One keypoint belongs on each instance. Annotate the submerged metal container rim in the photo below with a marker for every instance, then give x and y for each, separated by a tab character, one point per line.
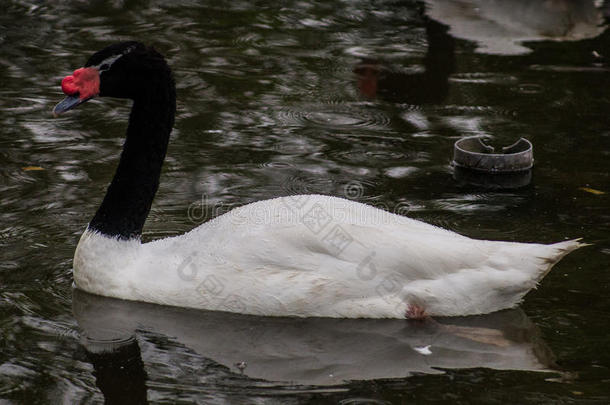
466	155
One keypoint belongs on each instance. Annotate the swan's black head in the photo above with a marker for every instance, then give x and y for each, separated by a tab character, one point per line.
125	70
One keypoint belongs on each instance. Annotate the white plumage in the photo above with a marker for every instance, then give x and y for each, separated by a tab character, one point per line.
313	255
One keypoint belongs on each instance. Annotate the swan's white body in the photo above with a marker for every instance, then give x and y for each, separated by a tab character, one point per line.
315	255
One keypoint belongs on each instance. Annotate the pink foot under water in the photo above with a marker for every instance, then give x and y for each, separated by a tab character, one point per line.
416	312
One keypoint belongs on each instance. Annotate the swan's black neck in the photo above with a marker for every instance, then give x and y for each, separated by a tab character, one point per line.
130	195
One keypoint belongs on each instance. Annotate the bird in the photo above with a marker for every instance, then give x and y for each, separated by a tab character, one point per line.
294	256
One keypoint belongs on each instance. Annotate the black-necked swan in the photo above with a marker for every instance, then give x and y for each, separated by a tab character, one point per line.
301	255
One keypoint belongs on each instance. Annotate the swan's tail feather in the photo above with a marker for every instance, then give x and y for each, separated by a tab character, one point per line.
511	270
558	251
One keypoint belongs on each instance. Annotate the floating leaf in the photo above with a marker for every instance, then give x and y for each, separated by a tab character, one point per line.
32	168
592	190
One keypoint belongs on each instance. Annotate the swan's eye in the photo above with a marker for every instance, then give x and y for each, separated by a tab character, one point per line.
105	66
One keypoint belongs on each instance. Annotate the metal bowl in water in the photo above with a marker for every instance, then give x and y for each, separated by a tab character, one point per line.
471	153
475	163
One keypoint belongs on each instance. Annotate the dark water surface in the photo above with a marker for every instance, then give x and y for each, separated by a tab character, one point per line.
358	99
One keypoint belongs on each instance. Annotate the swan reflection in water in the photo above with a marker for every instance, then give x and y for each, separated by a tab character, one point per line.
303	351
430	86
501	27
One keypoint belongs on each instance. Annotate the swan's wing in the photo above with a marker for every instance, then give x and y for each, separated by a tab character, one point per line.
325	234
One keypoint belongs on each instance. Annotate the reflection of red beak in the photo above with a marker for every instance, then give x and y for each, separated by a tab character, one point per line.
367	80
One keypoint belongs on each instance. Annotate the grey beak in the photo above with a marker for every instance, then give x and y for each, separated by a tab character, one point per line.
66	104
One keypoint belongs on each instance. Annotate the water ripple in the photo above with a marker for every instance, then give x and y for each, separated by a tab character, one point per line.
335	117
